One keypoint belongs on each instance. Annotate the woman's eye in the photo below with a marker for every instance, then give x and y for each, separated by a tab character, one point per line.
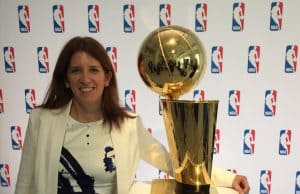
94	70
75	70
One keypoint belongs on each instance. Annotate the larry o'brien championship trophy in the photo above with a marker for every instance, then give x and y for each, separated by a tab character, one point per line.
171	61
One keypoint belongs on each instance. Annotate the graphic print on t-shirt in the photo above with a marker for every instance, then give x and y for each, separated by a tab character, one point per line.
108	159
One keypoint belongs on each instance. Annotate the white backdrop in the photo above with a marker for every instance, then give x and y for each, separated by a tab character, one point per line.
252	68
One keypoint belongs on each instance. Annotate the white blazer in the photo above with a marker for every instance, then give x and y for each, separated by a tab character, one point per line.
38	172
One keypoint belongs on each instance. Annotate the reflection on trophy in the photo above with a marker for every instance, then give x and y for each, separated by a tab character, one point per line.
171	61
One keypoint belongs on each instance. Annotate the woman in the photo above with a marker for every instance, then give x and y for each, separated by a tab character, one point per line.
80	140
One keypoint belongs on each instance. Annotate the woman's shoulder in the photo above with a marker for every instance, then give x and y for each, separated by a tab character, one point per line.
40	111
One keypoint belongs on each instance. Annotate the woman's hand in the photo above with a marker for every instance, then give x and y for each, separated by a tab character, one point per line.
240	184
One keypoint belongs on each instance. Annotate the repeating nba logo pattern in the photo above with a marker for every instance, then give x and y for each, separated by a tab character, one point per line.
276	16
234	103
130	100
16	137
112	53
201	17
58	18
9	59
253	59
129	18
4	175
265	182
30	102
164	15
285	142
232	170
43	59
199	95
217	59
217	141
297	184
1	102
163	175
270	103
24	21
93	18
291	58
238	15
249	141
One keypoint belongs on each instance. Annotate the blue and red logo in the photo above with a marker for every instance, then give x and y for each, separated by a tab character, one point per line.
43	59
232	170
130	100
238	17
249	141
217	59
291	59
297	184
276	16
265	182
160	108
129	18
164	15
9	59
4	175
163	175
217	141
201	17
199	95
30	100
270	103
93	18
285	142
1	102
16	137
58	18
253	59
24	21
112	53
234	103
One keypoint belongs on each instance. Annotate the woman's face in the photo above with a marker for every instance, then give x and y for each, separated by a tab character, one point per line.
87	79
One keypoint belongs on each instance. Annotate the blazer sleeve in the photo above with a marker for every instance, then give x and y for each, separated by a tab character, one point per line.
151	150
25	179
221	177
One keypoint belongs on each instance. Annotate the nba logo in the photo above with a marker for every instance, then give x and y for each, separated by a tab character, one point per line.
4	175
276	16
160	109
253	59
270	102
112	53
9	59
201	17
93	18
265	182
43	59
149	130
1	102
291	58
249	141
199	95
297	185
16	138
285	142
234	103
238	17
232	170
58	18
24	22
129	18
164	15
217	59
217	141
130	102
162	175
30	102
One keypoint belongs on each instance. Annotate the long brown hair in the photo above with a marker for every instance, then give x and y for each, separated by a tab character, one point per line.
58	95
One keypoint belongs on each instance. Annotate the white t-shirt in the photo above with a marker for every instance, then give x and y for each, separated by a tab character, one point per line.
87	152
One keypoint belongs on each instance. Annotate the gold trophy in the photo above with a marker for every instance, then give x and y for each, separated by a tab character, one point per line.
171	61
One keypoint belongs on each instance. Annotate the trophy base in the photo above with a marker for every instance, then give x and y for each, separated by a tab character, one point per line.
171	186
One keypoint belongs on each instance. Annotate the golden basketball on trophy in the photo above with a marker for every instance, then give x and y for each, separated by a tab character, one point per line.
171	61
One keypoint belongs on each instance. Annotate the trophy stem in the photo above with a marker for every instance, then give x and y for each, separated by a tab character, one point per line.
190	128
